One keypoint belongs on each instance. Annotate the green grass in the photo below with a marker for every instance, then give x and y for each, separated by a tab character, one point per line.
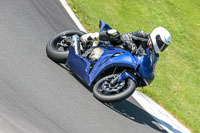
176	86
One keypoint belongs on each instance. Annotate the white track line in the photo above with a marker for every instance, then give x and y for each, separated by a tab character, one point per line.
72	15
166	120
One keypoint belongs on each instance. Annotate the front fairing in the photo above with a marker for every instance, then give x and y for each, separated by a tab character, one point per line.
145	68
142	65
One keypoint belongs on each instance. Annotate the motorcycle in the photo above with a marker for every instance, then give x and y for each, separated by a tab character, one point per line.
112	72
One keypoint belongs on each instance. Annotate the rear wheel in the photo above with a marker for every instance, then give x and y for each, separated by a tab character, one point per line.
106	92
58	47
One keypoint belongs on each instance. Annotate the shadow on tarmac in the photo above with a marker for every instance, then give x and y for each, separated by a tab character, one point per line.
135	113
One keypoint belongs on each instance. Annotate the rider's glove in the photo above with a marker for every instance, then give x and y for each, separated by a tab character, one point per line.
89	37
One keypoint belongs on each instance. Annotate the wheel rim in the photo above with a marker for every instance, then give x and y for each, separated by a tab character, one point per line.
62	43
106	88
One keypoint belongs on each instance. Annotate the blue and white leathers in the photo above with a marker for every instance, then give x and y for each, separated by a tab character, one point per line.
141	66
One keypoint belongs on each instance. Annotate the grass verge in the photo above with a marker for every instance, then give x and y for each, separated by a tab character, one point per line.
176	86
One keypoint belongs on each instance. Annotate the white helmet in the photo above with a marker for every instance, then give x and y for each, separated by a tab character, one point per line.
160	38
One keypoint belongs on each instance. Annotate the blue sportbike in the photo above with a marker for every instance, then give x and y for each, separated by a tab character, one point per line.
113	72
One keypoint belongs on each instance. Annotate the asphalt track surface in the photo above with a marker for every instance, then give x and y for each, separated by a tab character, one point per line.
40	96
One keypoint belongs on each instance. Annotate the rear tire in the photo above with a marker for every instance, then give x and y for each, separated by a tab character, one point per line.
51	49
129	88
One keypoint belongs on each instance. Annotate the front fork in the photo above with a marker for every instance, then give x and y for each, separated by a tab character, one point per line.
123	75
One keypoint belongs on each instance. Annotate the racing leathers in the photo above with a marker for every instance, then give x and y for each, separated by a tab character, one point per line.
134	41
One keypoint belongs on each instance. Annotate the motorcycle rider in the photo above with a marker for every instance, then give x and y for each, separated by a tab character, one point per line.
136	42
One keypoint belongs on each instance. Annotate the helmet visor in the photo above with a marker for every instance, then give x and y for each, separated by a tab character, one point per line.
161	45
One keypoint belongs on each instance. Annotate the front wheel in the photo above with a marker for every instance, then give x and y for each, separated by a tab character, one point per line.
58	47
106	92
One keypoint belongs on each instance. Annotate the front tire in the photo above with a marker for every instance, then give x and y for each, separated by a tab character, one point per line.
107	95
52	48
